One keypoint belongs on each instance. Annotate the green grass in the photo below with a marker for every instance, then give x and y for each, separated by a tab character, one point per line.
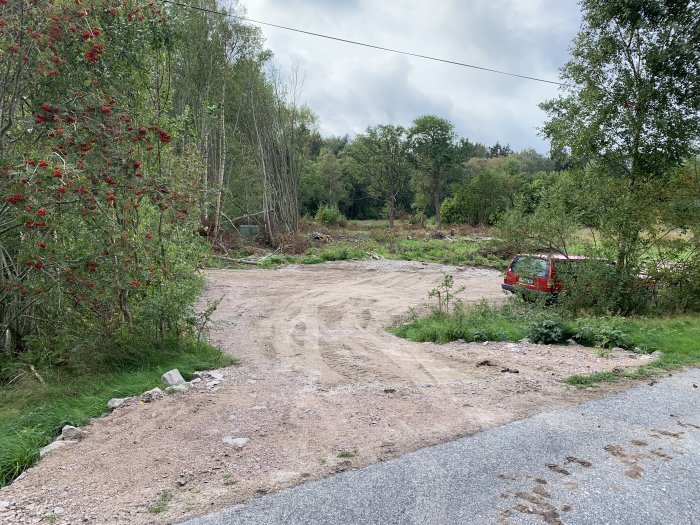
347	453
677	338
441	251
478	323
162	504
32	415
458	252
339	252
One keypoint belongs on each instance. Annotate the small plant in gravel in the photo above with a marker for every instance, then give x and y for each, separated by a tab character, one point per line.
445	293
162	504
228	480
347	453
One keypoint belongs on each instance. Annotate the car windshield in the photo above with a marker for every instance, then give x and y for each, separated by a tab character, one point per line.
529	266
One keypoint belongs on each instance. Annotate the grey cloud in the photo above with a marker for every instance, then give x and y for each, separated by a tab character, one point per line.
350	88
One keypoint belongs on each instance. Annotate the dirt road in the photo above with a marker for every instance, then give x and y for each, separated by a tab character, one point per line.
322	388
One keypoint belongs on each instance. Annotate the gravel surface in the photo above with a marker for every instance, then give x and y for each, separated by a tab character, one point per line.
631	458
321	388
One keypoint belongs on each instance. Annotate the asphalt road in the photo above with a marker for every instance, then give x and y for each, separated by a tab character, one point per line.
630	458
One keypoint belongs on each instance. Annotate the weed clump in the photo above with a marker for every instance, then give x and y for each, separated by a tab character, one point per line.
330	216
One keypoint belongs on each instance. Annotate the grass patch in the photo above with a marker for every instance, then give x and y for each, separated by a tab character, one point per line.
32	415
162	504
460	252
347	453
481	322
441	251
677	338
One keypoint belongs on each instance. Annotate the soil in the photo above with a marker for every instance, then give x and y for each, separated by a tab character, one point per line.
321	388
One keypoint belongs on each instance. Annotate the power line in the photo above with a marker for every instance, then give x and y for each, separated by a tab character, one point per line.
363	44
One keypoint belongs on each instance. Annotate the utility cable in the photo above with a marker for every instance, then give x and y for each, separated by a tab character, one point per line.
363	44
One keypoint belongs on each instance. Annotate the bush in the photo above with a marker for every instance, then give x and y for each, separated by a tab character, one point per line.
418	219
604	336
598	287
330	216
548	331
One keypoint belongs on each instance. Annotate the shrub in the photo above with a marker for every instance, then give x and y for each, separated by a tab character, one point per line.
418	219
605	335
598	287
330	216
548	331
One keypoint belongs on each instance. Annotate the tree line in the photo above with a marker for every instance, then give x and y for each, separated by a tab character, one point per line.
417	172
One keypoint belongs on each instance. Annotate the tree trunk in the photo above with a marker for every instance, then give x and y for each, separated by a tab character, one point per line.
437	199
392	207
222	165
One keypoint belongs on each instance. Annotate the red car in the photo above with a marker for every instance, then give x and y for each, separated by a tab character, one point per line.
536	272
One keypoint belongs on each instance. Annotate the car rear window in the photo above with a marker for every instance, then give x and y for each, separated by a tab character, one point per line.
529	266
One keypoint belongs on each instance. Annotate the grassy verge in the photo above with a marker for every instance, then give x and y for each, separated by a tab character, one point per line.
677	338
461	252
32	414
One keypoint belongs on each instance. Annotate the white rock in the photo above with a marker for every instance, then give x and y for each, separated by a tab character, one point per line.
55	445
196	380
259	407
235	442
199	375
181	389
4	505
212	384
115	402
216	375
152	395
72	433
173	377
58	510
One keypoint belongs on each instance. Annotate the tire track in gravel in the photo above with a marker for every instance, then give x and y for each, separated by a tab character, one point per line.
332	325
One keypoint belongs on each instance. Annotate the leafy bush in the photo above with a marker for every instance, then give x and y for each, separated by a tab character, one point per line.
603	336
548	331
597	287
418	219
330	216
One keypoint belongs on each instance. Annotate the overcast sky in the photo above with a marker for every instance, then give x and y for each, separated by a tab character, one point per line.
351	87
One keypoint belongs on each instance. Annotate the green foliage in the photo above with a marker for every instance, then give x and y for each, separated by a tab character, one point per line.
677	338
445	293
96	199
475	323
548	331
599	287
631	62
323	182
434	153
550	226
603	335
480	200
330	216
379	159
